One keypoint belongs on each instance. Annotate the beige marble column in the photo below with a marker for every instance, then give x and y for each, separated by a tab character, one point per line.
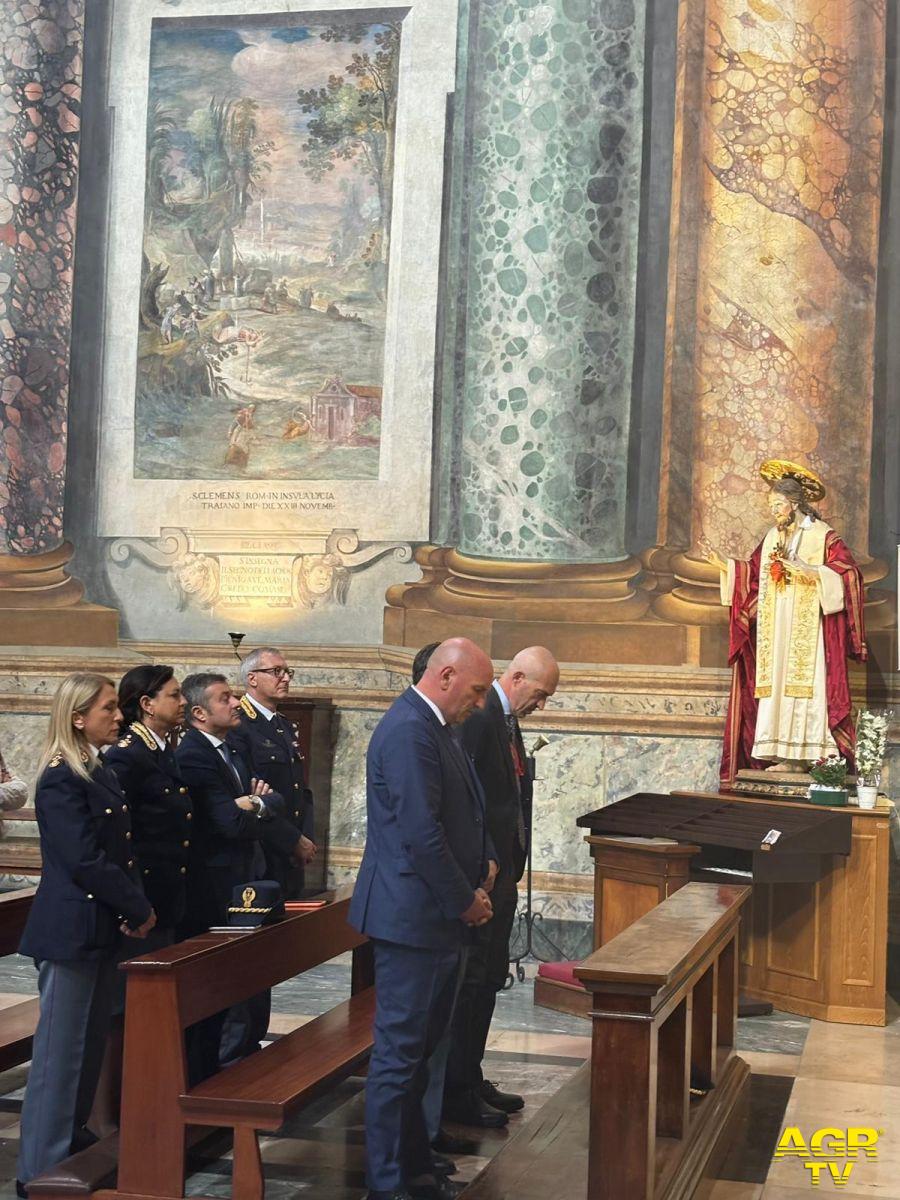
772	275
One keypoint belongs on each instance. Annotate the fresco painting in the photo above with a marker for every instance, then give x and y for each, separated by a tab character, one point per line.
266	244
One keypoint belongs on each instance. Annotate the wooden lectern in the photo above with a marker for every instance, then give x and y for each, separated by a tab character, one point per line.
814	934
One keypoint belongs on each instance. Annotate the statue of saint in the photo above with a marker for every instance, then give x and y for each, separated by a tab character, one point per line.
796	615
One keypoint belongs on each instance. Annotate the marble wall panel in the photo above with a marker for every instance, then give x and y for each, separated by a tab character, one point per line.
21	741
659	764
352	731
570	782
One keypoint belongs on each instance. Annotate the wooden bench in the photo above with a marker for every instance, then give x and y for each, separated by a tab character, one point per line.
664	1005
18	1021
172	989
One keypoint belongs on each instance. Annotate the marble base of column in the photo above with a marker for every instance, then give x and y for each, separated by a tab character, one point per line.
40	605
695	597
583	612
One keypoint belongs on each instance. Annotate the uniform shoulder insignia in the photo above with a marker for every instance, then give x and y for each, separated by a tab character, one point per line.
144	734
55	761
125	741
248	708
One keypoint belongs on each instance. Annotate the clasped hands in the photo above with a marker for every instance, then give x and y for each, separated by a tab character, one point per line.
481	910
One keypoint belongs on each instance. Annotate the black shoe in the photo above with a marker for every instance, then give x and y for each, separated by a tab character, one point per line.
441	1189
446	1143
507	1102
443	1166
472	1110
21	1190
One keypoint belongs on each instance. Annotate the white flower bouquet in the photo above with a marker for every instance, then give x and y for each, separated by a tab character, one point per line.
871	743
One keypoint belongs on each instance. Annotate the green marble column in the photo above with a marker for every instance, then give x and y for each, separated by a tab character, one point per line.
541	259
555	103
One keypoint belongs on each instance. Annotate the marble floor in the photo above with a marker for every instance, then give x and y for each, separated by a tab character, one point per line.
805	1073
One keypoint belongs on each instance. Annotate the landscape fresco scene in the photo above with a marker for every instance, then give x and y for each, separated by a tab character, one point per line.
266	243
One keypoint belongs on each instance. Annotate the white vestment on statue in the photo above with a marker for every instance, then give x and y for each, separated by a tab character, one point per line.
789	726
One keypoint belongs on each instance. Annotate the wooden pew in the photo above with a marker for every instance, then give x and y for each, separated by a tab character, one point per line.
177	986
18	1021
625	1127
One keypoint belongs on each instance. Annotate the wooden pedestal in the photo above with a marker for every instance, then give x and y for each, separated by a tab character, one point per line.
816	949
632	876
820	949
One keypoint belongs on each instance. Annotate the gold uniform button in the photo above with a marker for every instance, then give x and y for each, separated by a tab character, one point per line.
182	791
146	870
90	895
190	816
185	844
124	808
127	835
296	785
109	812
167	790
184	870
272	756
131	862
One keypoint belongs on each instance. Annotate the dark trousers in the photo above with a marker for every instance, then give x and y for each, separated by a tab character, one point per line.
487	967
413	998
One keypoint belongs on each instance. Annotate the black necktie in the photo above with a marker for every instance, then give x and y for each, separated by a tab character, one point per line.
226	754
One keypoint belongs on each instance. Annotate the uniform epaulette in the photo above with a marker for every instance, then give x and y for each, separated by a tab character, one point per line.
144	734
125	741
55	761
247	706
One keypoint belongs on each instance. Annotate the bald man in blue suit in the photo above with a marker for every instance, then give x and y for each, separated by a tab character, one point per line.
420	888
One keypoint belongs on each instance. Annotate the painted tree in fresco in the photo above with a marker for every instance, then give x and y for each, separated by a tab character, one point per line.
356	114
228	163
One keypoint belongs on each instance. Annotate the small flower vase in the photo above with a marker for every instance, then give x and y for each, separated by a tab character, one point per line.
867	795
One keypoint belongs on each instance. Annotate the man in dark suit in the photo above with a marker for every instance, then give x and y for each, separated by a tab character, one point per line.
230	812
492	737
419	888
267	742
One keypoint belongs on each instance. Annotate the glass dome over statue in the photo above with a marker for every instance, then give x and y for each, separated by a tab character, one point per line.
796	615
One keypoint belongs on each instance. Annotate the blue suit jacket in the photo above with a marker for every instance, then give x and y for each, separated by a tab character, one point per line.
89	881
426	845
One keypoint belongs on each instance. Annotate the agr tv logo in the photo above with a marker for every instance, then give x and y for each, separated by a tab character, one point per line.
833	1152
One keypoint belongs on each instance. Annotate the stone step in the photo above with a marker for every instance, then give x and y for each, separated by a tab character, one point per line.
19	814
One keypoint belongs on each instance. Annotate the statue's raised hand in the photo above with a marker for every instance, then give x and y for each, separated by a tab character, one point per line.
713	556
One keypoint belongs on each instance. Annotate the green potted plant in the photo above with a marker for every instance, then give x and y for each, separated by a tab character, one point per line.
829	777
871	742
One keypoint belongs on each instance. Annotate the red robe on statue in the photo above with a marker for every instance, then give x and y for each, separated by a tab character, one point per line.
843	636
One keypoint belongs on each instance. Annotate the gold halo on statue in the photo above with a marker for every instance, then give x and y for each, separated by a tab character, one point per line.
774	469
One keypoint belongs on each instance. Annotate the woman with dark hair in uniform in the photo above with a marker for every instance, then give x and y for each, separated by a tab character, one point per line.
144	761
89	895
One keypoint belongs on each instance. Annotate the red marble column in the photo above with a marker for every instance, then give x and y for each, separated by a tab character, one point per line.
41	67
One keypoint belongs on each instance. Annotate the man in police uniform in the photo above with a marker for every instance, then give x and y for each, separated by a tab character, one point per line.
268	743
